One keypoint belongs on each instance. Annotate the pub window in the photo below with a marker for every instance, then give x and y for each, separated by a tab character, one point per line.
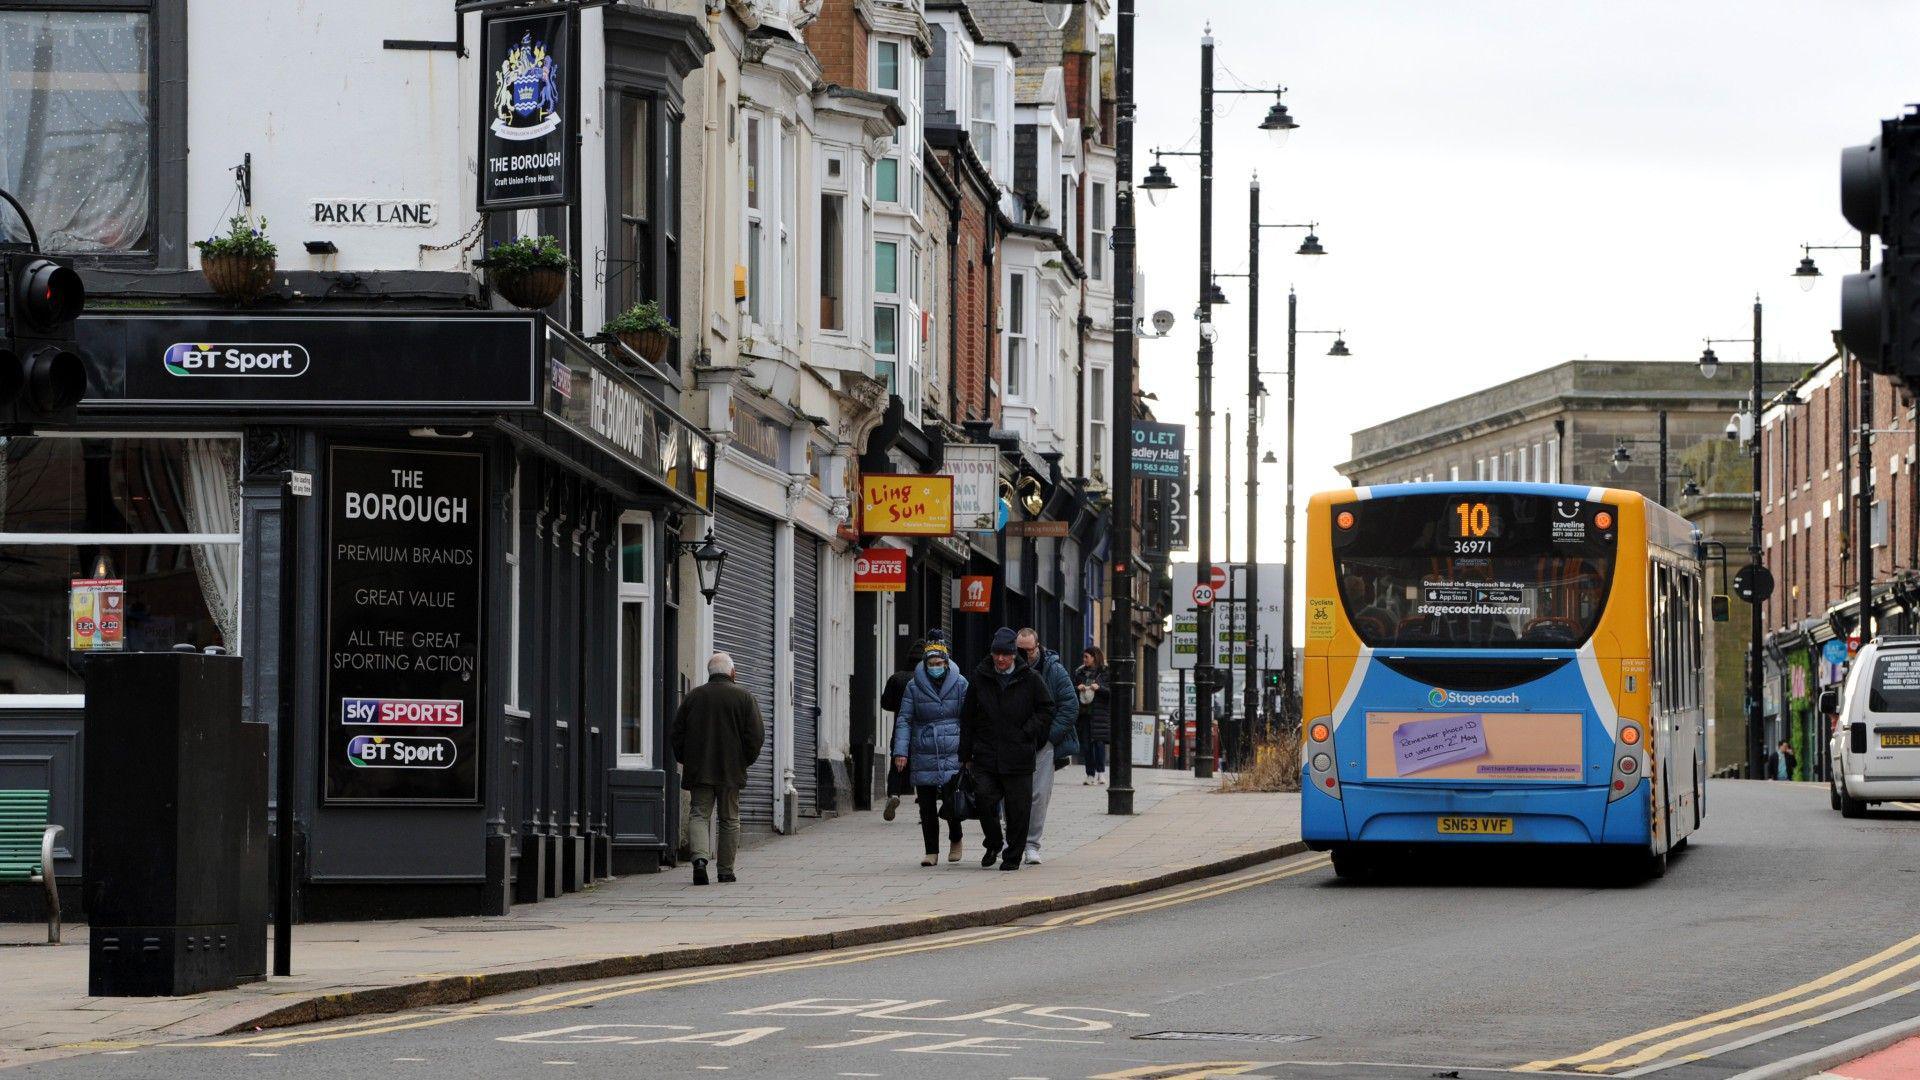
638	642
635	240
513	594
77	146
153	522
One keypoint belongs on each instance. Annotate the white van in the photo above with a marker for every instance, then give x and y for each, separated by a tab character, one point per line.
1876	744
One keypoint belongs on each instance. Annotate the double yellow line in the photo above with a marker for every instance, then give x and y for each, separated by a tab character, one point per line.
604	991
1675	1040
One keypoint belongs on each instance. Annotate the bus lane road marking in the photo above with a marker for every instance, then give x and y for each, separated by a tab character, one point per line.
1654	1044
599	992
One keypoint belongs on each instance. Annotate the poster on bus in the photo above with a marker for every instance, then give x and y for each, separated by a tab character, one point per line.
1473	746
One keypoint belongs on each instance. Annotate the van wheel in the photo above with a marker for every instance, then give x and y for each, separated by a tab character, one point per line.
1833	791
1851	807
1351	865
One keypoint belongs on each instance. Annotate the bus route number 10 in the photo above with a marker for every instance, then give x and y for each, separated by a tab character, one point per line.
1476	520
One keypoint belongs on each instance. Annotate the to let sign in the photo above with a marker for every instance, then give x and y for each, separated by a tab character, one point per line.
880	570
900	504
1158	450
404	599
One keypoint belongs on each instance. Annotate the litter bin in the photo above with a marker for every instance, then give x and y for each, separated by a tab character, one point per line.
176	826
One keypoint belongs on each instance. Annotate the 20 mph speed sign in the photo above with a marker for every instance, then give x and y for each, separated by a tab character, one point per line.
1203	594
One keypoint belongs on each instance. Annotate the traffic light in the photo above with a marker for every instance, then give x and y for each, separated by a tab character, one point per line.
1880	194
42	376
1271	678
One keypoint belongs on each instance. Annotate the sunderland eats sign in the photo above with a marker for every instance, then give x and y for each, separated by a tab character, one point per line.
527	107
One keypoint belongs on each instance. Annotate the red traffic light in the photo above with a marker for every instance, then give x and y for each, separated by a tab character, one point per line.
47	294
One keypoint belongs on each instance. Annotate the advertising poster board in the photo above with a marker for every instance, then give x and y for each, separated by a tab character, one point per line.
98	610
404	595
904	504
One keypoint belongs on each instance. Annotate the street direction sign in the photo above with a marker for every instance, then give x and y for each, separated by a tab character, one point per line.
1203	594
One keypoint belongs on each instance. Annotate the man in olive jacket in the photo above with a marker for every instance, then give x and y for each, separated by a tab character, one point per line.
716	735
1004	721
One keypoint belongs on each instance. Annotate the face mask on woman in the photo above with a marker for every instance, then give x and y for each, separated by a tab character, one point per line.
936	669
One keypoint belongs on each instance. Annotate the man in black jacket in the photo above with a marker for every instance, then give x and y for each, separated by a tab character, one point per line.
1004	721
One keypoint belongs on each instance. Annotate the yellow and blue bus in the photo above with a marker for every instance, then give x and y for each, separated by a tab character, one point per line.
1501	663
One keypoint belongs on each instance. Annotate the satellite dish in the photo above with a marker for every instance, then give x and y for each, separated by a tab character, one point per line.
1163	321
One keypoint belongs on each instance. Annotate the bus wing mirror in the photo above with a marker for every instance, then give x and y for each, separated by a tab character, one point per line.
1720	604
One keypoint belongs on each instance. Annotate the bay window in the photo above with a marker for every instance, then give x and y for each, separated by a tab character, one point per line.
1018	345
833	225
1097	226
985	103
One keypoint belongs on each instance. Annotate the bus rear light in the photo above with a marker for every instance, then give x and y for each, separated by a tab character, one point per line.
1322	762
1629	764
1344	519
1629	734
1619	785
1319	732
1603	521
1331	781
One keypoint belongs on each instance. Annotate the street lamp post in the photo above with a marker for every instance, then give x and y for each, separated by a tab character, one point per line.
1120	539
1289	689
1709	366
1277	123
1808	274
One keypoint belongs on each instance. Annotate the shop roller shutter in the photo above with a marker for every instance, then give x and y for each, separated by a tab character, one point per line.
743	628
806	672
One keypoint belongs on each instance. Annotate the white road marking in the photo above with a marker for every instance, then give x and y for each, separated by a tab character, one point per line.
856	1074
558	1063
714	1068
117	1053
263	1055
409	1059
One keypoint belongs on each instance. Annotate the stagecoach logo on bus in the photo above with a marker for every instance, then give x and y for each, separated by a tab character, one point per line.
1441	698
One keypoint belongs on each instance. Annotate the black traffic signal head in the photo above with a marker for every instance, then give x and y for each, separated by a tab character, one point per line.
1272	679
1880	194
42	376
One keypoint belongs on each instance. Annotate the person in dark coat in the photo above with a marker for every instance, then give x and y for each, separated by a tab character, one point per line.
890	701
1004	721
1096	712
926	745
716	735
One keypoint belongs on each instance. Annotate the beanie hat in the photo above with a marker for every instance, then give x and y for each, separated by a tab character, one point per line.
1003	640
937	648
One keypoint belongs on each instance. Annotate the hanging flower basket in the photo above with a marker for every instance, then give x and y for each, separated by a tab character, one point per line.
529	289
528	272
238	265
652	345
240	278
645	329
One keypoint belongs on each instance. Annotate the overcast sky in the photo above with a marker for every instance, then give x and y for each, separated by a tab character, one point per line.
1503	185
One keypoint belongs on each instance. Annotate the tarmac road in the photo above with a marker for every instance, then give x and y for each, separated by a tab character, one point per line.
1781	930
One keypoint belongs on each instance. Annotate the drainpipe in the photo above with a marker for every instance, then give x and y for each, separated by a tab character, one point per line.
953	294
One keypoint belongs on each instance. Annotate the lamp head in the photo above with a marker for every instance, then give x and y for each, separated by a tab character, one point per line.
1622	458
1339	347
1269	459
1690	491
1157	183
1807	274
1311	246
1278	123
1709	363
1215	294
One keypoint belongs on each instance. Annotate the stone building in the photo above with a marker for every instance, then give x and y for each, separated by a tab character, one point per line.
1560	425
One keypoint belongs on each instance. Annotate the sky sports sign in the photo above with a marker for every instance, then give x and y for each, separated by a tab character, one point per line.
400	712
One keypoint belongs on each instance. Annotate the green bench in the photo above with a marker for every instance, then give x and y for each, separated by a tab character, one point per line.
26	848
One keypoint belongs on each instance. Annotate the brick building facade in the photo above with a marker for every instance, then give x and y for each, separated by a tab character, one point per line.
1810	523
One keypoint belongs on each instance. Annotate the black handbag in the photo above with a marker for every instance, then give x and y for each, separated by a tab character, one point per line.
960	801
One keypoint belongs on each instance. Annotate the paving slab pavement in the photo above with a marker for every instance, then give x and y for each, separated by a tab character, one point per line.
843	881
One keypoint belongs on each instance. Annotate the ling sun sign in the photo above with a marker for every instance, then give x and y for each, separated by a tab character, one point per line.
902	504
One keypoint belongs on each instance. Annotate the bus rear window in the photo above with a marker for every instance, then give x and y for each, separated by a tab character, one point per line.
1896	683
1491	570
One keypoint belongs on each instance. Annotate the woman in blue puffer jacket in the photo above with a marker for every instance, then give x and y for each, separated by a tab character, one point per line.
926	743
